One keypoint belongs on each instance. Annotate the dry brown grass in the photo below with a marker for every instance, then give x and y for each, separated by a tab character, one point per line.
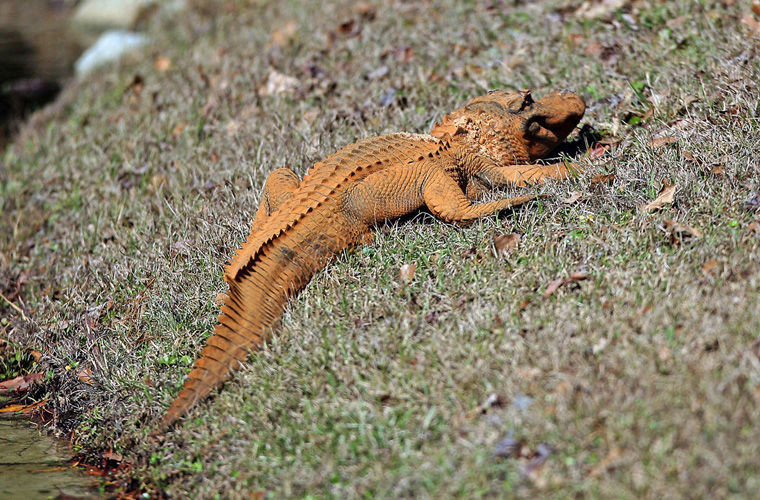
121	205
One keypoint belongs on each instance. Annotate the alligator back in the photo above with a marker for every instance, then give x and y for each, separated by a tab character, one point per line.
279	259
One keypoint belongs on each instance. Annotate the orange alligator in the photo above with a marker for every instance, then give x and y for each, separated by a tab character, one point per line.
300	225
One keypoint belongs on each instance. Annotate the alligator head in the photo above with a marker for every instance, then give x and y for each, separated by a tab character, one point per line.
510	127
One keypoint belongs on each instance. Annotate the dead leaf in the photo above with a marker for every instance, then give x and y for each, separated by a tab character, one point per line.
596	10
541	455
509	447
23	408
553	287
110	455
284	35
593	49
753	202
718	170
555	284
365	10
602	179
137	84
406	273
664	197
162	63
157	181
505	244
661	141
664	354
598	151
710	267
378	73
404	54
310	115
574	196
612	456
278	83
85	375
20	383
755	227
751	23
350	28
492	401
36	355
755	8
576	39
232	127
178	129
681	231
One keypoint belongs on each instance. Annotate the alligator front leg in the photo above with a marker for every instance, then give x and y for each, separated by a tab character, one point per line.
480	170
445	199
528	175
279	186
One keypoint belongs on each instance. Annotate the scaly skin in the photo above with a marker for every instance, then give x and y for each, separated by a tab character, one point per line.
301	225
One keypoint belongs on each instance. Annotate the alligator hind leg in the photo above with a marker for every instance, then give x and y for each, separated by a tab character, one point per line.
279	186
398	191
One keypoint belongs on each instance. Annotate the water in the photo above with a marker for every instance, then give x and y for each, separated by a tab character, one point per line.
33	465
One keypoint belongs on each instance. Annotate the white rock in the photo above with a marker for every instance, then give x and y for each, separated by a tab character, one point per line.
110	46
109	14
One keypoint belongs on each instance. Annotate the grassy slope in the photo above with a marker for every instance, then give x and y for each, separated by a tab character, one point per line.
120	206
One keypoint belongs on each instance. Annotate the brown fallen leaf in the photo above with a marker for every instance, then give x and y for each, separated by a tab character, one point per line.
554	285
753	202
162	63
509	447
20	383
278	83
365	10
85	375
232	127
350	28
661	141
505	244
598	151
664	197
17	408
110	455
612	456
710	267
681	231
178	128
540	456
157	181
284	35
492	401
754	227
406	273
751	23
596	10
574	196
718	170
602	179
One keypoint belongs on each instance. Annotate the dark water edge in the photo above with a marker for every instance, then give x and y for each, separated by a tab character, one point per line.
34	465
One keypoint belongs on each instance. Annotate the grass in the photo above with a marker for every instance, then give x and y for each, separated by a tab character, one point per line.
122	202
